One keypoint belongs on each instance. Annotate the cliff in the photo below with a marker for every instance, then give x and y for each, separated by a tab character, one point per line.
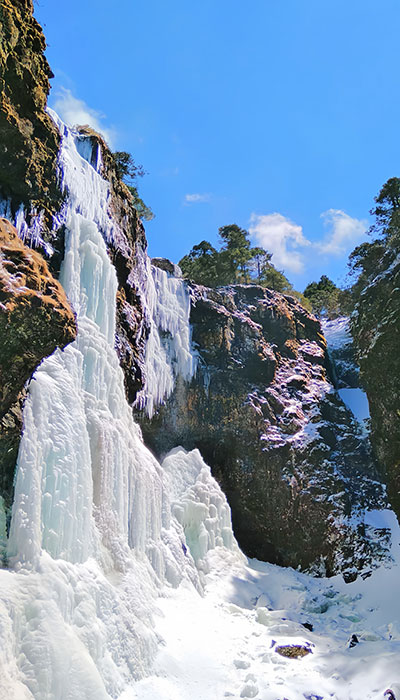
376	332
29	140
265	415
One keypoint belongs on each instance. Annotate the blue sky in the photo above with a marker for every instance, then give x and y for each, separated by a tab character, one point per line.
279	116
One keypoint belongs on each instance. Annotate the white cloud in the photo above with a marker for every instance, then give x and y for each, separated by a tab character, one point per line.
281	237
76	112
196	198
344	232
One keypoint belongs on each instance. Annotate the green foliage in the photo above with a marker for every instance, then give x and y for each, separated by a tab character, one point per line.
369	259
235	254
274	279
202	265
324	297
127	170
126	167
387	209
235	263
142	209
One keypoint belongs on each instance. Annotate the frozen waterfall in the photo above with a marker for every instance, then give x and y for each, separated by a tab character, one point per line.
94	533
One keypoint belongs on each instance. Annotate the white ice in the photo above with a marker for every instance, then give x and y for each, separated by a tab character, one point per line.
92	537
168	350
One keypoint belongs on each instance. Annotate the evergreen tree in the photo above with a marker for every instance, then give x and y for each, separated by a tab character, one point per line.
324	297
202	265
127	171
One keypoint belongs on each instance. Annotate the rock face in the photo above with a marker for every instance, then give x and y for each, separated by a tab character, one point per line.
265	415
35	318
376	332
29	140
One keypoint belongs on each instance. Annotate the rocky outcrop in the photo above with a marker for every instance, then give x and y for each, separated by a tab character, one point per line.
376	332
29	140
265	415
35	319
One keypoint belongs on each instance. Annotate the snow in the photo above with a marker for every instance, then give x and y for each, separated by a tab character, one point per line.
223	645
336	332
338	336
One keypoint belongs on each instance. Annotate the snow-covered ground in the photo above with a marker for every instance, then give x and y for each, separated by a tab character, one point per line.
224	644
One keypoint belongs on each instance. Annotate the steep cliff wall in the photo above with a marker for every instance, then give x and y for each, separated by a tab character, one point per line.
265	415
376	331
35	319
29	140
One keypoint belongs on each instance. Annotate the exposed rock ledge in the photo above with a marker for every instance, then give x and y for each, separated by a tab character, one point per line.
35	318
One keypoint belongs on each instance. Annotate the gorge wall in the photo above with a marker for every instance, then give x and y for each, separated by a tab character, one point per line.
376	332
265	415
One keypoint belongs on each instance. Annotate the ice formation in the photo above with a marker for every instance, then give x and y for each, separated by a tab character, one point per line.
168	349
93	537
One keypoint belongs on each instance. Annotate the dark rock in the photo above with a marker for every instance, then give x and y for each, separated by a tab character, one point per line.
308	626
353	641
166	265
376	331
293	651
284	448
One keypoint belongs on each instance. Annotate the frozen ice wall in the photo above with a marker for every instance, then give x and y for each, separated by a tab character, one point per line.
98	527
168	350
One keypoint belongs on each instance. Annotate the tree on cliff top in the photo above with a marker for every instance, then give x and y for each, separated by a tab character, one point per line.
369	259
235	263
387	209
324	297
128	171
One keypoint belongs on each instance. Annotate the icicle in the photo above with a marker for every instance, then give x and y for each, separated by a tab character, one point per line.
168	351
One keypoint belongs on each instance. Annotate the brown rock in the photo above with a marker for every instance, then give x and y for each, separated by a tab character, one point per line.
29	140
293	651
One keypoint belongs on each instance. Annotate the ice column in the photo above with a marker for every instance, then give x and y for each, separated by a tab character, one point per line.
83	471
168	351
